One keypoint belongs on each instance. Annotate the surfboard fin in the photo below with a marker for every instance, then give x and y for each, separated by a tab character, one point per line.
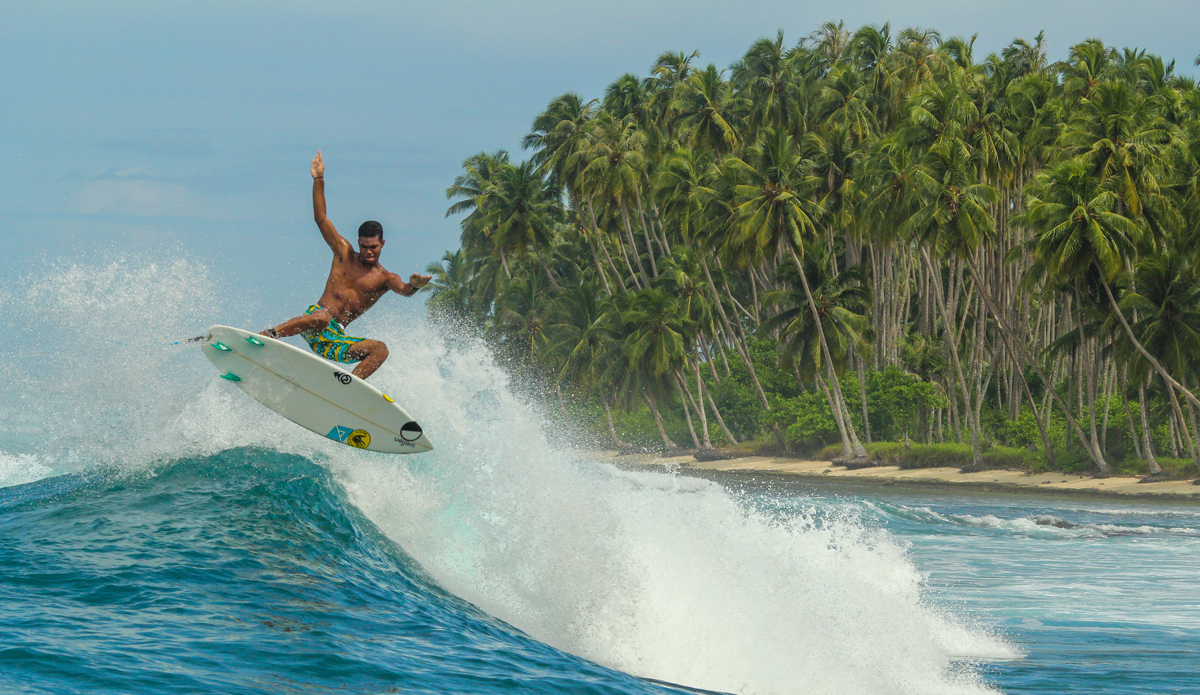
222	347
254	341
230	376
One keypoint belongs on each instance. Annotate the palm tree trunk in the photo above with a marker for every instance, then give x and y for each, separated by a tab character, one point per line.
661	232
604	247
1194	431
698	405
637	199
599	268
847	450
862	392
662	431
504	263
949	327
612	430
1181	429
1088	382
632	244
1106	396
687	412
720	420
542	261
1133	433
729	332
711	360
1096	456
859	451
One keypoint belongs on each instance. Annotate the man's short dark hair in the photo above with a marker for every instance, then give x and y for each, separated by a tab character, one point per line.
370	228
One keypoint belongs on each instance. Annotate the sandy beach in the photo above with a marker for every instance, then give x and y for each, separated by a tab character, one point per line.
993	480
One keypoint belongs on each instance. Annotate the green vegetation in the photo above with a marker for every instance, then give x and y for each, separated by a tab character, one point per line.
870	241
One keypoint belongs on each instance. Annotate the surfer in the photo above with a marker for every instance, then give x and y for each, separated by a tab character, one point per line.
356	281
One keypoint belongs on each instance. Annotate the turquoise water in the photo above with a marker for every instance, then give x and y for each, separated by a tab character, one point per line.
161	533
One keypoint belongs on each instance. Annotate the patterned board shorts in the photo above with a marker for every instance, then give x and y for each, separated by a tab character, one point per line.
332	343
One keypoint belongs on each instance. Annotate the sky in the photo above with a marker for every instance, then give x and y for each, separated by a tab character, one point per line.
164	129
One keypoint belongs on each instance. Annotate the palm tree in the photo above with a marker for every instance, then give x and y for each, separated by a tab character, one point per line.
841	300
612	165
450	288
951	218
628	97
1167	298
654	347
1086	66
474	186
522	207
557	134
1080	229
703	107
776	210
767	76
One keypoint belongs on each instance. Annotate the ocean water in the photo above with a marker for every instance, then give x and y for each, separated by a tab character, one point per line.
162	533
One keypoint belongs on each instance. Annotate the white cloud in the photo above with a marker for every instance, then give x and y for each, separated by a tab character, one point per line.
136	197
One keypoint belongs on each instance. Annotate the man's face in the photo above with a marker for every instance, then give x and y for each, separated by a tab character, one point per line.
369	248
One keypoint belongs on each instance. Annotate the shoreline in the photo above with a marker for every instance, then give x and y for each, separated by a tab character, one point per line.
1000	480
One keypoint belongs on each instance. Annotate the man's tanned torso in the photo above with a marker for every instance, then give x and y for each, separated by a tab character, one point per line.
353	287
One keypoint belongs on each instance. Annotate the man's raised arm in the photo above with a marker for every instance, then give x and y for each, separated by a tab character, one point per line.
415	282
336	241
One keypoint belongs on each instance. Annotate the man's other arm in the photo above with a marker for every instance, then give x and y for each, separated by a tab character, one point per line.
408	289
339	244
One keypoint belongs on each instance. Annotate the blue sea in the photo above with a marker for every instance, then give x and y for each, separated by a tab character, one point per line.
160	532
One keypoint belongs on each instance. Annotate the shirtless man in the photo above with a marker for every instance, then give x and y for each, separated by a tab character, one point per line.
356	281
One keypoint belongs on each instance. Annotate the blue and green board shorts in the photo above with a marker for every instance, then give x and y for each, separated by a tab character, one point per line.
332	343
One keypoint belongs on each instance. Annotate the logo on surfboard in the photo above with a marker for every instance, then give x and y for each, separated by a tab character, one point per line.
359	439
342	377
411	431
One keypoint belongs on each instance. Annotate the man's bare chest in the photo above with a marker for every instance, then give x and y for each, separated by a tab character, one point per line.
364	281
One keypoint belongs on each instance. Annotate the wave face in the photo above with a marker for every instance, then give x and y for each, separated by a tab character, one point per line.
242	572
183	537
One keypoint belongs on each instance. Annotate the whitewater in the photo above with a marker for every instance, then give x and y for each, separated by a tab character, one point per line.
161	532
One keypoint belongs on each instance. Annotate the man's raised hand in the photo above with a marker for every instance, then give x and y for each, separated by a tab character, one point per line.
318	166
417	281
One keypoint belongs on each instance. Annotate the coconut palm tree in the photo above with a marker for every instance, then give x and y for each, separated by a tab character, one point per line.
522	207
777	211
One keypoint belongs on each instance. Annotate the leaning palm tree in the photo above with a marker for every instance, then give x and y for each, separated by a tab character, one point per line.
777	211
1079	228
842	301
1167	299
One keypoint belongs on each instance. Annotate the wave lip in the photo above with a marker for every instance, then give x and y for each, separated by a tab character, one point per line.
19	469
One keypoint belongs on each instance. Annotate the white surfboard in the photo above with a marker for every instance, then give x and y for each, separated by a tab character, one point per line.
313	392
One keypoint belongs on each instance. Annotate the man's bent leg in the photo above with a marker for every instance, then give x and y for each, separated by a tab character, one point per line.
372	353
309	323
